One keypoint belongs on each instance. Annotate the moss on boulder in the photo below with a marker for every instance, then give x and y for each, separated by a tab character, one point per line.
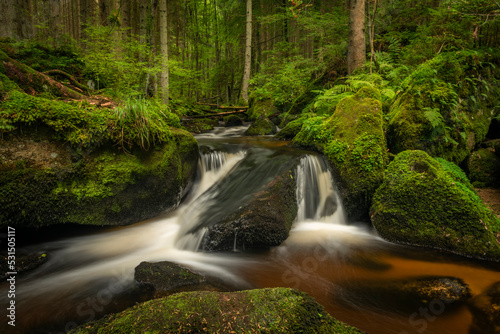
105	187
277	310
290	130
353	141
233	120
262	126
425	203
484	168
264	222
261	109
445	107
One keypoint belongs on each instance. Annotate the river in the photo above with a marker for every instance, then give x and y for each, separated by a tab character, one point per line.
339	263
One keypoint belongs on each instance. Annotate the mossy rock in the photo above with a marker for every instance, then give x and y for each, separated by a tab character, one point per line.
290	130
445	107
232	120
353	141
160	279
485	309
262	223
107	187
422	203
261	109
484	168
276	310
261	127
407	295
200	125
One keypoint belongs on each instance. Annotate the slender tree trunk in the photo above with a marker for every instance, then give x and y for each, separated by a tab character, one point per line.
248	52
371	34
356	54
164	50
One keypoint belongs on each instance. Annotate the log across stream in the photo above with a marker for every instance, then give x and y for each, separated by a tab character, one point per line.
344	265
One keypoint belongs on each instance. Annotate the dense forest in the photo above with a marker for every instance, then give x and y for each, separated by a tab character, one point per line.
101	102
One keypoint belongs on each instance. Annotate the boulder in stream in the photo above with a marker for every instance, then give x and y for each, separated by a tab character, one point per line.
485	309
429	202
261	127
276	310
264	222
160	279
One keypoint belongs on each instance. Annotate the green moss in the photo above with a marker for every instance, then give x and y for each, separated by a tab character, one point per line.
290	130
353	141
278	310
484	168
261	109
421	203
261	126
233	120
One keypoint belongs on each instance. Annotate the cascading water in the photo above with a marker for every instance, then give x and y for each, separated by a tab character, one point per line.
316	196
212	167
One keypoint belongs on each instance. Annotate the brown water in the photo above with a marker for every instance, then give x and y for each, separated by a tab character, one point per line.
338	263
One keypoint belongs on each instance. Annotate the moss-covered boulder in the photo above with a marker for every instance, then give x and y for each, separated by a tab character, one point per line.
290	130
446	106
105	187
198	125
430	203
277	310
265	221
407	295
485	309
261	127
232	120
160	279
353	141
261	109
484	168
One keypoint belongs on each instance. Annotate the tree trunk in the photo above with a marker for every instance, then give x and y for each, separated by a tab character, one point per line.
164	50
356	54
248	52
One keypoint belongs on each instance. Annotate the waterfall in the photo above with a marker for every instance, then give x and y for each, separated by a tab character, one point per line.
212	167
316	197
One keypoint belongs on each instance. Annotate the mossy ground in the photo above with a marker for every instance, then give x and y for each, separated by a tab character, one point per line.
424	202
277	310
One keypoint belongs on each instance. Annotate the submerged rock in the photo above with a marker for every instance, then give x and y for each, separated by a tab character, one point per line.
262	127
105	187
485	309
438	294
264	222
161	279
277	310
425	202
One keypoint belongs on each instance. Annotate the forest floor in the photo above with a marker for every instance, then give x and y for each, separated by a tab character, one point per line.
490	197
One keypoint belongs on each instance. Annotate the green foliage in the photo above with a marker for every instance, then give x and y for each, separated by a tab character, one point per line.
484	168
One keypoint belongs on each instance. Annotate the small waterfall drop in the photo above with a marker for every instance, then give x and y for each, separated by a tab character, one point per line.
212	167
316	196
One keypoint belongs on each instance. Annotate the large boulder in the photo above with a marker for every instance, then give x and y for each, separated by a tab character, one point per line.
445	106
290	130
161	279
43	182
265	221
277	310
261	127
353	141
485	309
484	168
430	203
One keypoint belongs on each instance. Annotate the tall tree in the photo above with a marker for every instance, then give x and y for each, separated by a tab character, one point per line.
164	79
356	53
248	52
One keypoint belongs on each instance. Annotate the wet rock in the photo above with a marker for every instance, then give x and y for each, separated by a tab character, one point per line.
277	310
436	294
264	222
25	262
160	279
261	127
485	309
233	120
429	202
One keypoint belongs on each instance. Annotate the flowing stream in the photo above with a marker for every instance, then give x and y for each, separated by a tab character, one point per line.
334	260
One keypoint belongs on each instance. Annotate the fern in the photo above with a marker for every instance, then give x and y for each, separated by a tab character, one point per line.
433	116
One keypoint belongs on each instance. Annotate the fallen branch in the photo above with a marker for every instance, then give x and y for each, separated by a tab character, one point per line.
217	115
220	107
69	77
